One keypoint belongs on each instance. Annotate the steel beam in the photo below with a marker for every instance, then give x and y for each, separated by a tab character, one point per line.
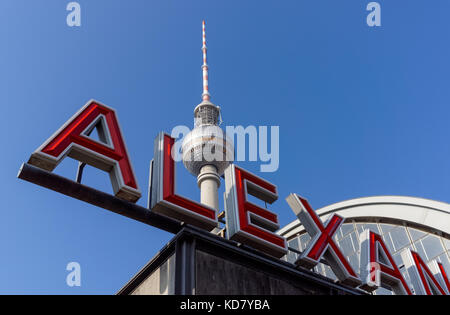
97	198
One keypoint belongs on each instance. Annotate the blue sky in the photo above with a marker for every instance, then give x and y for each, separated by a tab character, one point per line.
362	111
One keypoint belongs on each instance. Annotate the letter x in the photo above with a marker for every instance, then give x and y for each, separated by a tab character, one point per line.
322	243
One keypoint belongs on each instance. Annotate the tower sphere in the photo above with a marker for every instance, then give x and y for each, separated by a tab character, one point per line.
207	145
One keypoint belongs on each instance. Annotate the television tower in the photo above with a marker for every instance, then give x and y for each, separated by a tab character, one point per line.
206	150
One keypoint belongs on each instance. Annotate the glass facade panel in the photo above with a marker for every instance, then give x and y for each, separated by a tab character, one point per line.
416	234
338	235
447	243
367	226
355	241
354	262
386	228
388	241
433	246
347	228
406	276
304	241
398	259
294	243
420	250
292	256
346	246
399	238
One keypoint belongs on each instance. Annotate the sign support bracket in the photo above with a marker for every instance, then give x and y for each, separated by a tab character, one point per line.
97	198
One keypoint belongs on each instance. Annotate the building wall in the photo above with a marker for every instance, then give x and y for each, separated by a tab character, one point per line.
216	275
159	282
198	262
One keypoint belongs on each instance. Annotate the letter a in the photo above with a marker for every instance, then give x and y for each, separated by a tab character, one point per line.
374	17
73	279
109	154
74	17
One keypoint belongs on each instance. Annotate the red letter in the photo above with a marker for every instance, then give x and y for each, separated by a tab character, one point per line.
422	279
109	155
440	269
322	243
164	200
246	222
377	268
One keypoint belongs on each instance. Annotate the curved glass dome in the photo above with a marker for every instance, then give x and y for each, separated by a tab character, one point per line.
383	215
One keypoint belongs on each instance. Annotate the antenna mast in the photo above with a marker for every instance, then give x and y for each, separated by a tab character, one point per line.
205	96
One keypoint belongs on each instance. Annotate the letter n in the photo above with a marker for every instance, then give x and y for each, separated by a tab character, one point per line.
109	154
422	278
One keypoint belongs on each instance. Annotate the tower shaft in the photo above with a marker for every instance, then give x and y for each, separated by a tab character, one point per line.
209	181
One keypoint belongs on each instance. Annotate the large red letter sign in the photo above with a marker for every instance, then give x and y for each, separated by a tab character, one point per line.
322	243
109	155
246	222
163	198
377	268
423	280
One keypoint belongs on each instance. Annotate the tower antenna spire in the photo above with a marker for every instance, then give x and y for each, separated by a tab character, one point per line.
205	96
